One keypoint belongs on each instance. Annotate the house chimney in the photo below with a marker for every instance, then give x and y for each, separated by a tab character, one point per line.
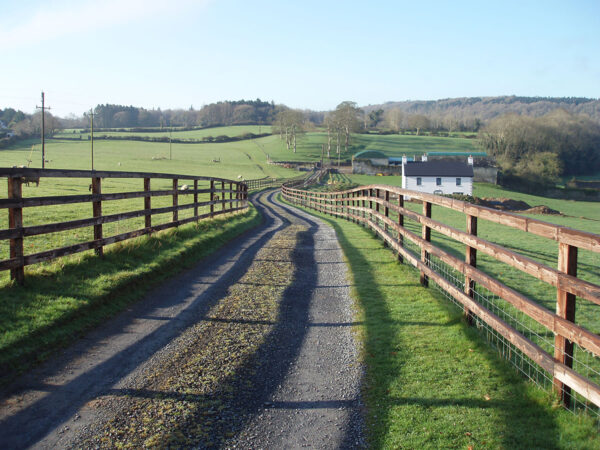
424	157
470	160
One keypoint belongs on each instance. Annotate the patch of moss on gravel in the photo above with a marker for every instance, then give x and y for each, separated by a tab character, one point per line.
186	400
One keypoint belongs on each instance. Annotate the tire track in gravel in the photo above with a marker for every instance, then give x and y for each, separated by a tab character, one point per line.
256	352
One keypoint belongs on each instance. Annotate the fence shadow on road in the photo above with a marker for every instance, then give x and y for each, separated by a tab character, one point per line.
520	415
63	401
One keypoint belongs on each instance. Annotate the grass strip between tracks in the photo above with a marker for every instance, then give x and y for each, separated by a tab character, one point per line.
63	299
431	381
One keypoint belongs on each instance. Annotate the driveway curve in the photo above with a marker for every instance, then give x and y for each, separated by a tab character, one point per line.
252	348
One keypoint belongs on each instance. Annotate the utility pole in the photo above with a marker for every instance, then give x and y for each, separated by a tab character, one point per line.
92	134
43	108
170	137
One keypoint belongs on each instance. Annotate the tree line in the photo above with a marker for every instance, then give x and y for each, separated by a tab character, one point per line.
541	149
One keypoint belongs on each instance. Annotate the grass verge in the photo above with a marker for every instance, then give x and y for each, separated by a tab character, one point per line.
62	300
431	381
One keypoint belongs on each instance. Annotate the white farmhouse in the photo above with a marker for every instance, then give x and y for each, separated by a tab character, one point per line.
438	177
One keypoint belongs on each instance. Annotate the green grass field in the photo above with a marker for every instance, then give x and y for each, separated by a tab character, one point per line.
236	158
231	131
431	381
63	298
309	146
579	215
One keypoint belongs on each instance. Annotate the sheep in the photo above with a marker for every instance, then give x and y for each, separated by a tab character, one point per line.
184	187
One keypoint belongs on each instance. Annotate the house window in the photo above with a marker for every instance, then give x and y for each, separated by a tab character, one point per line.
419	181
438	181
458	181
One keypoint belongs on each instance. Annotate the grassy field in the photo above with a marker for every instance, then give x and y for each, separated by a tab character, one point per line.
231	131
309	146
236	158
66	297
431	382
579	215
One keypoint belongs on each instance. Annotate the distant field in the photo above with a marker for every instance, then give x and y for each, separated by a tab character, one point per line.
189	134
236	158
309	146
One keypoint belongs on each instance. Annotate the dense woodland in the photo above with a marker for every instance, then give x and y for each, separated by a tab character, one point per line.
531	138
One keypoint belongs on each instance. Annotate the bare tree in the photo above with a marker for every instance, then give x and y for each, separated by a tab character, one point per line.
394	119
347	118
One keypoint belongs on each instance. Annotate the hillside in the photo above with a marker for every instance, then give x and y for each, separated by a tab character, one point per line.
487	108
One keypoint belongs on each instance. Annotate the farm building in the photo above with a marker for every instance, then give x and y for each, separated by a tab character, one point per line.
370	162
438	177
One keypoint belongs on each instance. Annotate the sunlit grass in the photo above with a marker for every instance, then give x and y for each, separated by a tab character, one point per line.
431	381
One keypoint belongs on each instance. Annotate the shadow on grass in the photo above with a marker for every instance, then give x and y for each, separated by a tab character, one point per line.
84	290
43	415
524	420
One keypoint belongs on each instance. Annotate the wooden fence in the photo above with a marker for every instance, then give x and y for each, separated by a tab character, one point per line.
224	196
266	182
371	206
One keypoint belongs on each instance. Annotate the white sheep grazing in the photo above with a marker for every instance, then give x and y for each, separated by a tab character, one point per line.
184	187
240	177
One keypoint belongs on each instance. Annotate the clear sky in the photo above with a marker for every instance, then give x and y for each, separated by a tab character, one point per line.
305	54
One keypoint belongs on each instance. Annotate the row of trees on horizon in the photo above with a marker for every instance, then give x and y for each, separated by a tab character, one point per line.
544	147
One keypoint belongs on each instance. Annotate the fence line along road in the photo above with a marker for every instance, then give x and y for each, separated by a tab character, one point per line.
486	301
266	182
220	196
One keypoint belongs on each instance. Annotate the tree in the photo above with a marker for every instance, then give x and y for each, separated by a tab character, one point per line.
394	119
375	117
346	117
290	122
418	122
551	145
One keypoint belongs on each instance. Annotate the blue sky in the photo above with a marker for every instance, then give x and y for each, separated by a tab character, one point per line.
306	54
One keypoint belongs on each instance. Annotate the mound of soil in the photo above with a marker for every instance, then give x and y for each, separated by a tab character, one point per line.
542	210
507	204
504	204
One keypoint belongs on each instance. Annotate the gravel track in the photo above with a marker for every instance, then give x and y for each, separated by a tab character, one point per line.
255	351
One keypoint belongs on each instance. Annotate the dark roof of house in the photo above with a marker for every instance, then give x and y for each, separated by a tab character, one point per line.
438	169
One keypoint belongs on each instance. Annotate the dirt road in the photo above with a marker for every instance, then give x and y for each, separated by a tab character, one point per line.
254	350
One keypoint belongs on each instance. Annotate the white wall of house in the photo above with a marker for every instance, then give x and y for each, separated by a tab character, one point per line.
448	186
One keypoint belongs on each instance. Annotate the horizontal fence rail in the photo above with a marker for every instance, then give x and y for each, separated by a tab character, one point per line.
266	182
497	308
219	196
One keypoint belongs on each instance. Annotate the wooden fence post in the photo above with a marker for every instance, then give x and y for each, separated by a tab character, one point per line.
364	194
175	200
212	198
147	204
15	220
401	224
425	234
370	206
471	259
230	195
565	308
222	196
386	210
196	199
97	211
